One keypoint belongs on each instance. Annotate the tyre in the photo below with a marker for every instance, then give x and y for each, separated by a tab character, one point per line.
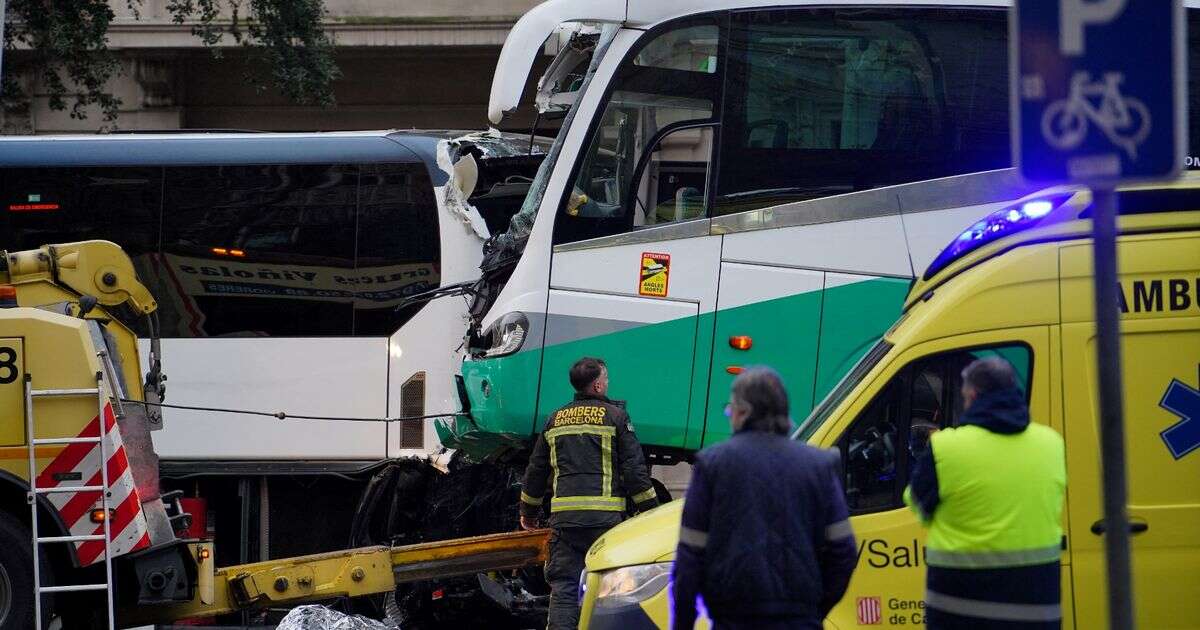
16	576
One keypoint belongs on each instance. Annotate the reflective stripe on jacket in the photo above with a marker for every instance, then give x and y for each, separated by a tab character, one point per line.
588	460
999	498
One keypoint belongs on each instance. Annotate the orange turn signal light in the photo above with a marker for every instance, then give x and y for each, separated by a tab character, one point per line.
205	554
237	252
220	250
741	342
98	516
735	369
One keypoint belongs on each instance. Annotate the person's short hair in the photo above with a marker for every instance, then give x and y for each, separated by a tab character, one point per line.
990	374
760	391
585	372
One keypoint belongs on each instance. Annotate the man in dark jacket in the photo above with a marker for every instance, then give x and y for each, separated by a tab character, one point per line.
588	458
766	537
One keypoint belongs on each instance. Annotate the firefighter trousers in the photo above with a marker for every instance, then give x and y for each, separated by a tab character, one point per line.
568	546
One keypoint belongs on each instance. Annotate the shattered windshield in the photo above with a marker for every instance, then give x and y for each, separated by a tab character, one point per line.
511	242
560	85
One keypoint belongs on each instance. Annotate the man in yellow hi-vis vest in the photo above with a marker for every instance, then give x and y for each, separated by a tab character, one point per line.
588	461
991	492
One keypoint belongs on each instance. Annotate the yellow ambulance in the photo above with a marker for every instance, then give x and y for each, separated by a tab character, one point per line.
1018	284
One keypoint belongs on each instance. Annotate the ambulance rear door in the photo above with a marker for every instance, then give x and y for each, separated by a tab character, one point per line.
1160	286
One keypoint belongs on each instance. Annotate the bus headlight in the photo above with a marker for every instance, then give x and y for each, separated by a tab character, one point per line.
633	584
508	335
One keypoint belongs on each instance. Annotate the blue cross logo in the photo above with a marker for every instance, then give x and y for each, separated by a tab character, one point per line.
1183	437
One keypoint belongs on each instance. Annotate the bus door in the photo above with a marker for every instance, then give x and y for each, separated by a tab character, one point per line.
633	276
643	319
767	315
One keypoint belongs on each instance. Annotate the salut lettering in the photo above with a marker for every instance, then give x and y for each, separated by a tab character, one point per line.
1160	295
881	554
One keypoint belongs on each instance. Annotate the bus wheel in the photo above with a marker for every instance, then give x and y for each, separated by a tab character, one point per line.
16	575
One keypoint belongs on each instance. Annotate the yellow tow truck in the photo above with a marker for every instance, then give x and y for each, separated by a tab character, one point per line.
81	513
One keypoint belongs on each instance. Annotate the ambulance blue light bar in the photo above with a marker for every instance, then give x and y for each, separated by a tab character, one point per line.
993	227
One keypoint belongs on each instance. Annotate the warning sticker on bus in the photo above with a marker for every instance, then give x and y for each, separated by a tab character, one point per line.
656	273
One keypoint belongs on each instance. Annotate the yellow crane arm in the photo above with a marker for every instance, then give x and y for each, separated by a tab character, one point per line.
347	573
100	269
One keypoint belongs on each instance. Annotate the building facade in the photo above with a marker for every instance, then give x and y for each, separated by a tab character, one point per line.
404	63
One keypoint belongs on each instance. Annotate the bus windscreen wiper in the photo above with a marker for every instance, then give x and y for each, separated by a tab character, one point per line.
450	290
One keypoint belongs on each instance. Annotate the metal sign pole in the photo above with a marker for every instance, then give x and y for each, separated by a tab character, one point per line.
1112	409
1131	56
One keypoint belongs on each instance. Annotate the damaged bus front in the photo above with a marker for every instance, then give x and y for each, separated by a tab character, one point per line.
734	182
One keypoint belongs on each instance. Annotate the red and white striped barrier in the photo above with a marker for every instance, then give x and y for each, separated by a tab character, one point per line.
79	465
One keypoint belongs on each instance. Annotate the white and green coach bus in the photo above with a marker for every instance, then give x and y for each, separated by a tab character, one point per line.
735	182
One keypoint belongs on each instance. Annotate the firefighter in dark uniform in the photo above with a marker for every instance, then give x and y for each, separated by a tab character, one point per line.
587	460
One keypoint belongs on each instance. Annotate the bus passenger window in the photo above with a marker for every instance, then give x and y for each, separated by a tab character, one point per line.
827	101
398	245
672	79
62	205
264	250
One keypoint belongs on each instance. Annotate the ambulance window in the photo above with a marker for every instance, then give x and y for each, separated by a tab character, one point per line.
885	440
869	451
1017	355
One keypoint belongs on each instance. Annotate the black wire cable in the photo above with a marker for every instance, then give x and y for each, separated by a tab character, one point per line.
286	416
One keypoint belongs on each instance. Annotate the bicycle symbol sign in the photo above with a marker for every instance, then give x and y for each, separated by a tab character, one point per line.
1125	121
1098	90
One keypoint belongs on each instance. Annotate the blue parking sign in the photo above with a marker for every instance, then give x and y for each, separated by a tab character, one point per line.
1098	90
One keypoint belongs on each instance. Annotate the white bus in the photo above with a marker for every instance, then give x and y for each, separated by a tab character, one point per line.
735	182
281	264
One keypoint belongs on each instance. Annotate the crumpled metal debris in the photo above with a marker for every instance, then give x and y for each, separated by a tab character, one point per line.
452	195
506	246
314	617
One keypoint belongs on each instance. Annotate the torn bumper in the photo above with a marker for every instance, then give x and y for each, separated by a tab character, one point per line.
499	395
